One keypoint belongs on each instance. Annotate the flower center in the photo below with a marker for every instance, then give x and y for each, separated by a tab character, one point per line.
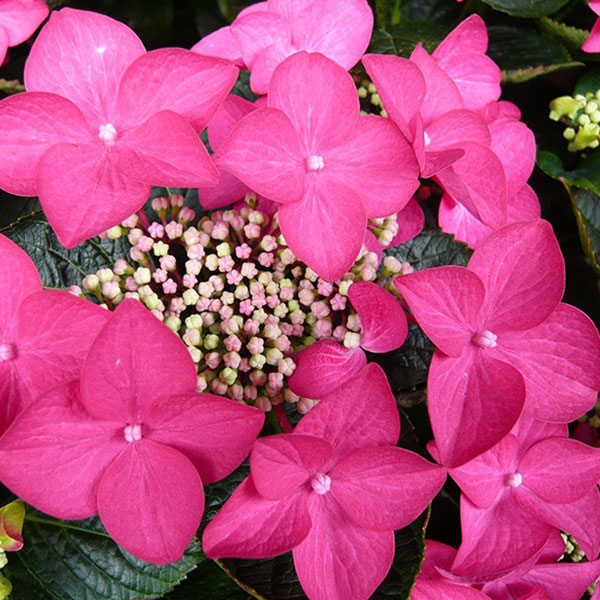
321	483
513	480
485	339
315	162
108	134
7	352
133	433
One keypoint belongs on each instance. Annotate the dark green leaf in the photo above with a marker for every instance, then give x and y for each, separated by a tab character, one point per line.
586	175
523	55
59	267
242	87
586	206
572	37
387	12
527	8
429	10
401	39
12	207
77	560
588	82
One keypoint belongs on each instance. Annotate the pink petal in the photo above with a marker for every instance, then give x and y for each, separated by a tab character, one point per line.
20	19
18	278
231	111
560	471
229	190
325	230
384	325
592	44
441	590
134	362
166	151
268	60
323	366
31	123
378	162
454	218
52	448
579	518
455	127
248	526
400	85
282	465
93	52
151	501
436	555
339	560
497	539
3	44
446	301
220	44
174	79
524	275
264	152
361	412
288	8
320	99
339	30
562	381
411	221
83	192
55	332
530	431
215	433
473	402
524	206
385	487
434	162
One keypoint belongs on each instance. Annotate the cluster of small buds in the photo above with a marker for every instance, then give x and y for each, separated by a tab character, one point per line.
384	230
573	552
237	296
581	115
370	102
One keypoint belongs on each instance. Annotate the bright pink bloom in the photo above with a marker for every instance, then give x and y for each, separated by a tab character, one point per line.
132	440
514	144
92	137
337	483
18	20
517	493
325	365
265	34
499	324
328	168
592	44
44	335
443	590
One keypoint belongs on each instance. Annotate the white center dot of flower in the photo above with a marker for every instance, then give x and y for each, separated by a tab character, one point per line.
513	480
108	134
485	339
321	483
315	162
133	433
7	352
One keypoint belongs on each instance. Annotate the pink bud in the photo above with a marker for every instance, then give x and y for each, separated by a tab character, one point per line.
218	386
250	392
131	285
160	276
286	366
134	236
233	344
266	259
244	365
130	222
213	360
156	230
232	359
187	215
263	403
160	204
258	378
321	483
322	329
169	287
339	333
320	309
226	264
252	231
283	343
234	277
324	288
273	301
169	263
189	281
243	252
236	392
174	230
251	326
220	231
485	339
196	251
249	270
246	307
145	244
338	302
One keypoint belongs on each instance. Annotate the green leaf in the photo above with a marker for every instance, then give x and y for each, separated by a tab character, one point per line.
527	8
401	39
523	55
586	207
77	560
572	37
588	82
430	10
586	175
387	12
58	266
12	207
11	87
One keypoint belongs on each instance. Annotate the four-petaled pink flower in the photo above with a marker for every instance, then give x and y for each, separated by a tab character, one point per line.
500	328
328	168
266	33
18	20
132	440
334	490
91	137
325	365
44	334
592	44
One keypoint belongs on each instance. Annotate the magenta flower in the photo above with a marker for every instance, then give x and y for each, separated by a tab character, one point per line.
44	334
333	492
18	20
443	590
325	365
592	44
81	139
132	440
515	495
265	34
328	168
499	324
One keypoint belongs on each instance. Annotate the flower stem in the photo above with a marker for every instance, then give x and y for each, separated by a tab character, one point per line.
282	418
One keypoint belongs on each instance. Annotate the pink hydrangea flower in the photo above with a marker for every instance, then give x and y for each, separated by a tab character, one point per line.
592	44
501	329
18	20
338	482
326	167
44	334
534	482
266	33
325	365
132	440
81	134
